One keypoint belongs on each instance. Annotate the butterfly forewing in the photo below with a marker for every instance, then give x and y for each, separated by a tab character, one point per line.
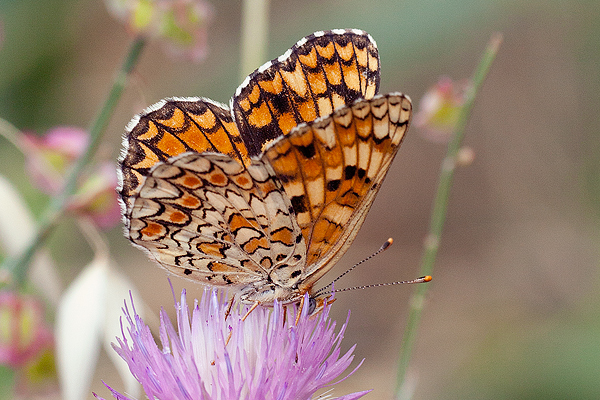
172	127
320	73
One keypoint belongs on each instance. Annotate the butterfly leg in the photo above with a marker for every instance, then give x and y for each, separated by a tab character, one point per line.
228	337
299	313
250	310
229	307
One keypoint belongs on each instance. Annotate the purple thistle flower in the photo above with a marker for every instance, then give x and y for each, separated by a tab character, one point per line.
267	356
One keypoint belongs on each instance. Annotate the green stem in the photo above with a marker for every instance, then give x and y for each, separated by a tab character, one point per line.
16	267
438	215
255	30
10	132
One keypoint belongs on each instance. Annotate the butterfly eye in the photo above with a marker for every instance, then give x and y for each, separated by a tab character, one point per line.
312	305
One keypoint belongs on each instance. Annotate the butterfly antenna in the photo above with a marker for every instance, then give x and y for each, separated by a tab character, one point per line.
422	279
383	247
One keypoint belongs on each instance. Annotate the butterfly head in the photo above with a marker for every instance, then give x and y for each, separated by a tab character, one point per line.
268	293
318	302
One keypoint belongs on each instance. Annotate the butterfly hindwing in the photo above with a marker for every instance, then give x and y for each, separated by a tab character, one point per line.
208	218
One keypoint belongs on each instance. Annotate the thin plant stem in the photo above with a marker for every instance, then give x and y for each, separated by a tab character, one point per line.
10	132
255	31
438	215
17	267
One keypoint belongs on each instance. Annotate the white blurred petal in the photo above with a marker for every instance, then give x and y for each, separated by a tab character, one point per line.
16	222
17	226
119	288
79	328
44	276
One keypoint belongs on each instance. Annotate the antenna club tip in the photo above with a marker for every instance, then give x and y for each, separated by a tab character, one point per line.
426	278
387	244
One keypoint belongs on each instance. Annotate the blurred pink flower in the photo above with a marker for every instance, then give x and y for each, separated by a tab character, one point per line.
266	356
39	377
181	25
49	158
23	331
438	109
27	344
96	197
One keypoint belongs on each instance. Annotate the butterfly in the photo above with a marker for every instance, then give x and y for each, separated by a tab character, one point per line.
264	196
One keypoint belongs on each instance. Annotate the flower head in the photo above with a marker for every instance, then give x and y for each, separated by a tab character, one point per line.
49	158
439	108
265	356
181	25
27	344
23	332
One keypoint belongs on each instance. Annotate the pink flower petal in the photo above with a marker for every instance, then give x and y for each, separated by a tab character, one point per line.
208	357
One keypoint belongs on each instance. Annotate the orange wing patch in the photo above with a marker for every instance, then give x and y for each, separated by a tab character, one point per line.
332	168
320	73
173	127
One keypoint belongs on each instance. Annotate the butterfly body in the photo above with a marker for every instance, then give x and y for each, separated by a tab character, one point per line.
265	198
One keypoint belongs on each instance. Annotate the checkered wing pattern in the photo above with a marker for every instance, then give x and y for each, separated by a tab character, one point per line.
267	196
331	170
322	72
172	127
209	218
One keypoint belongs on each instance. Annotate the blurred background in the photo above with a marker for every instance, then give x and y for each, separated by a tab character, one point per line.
513	311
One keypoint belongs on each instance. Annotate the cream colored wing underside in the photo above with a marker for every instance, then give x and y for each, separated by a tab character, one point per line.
210	219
